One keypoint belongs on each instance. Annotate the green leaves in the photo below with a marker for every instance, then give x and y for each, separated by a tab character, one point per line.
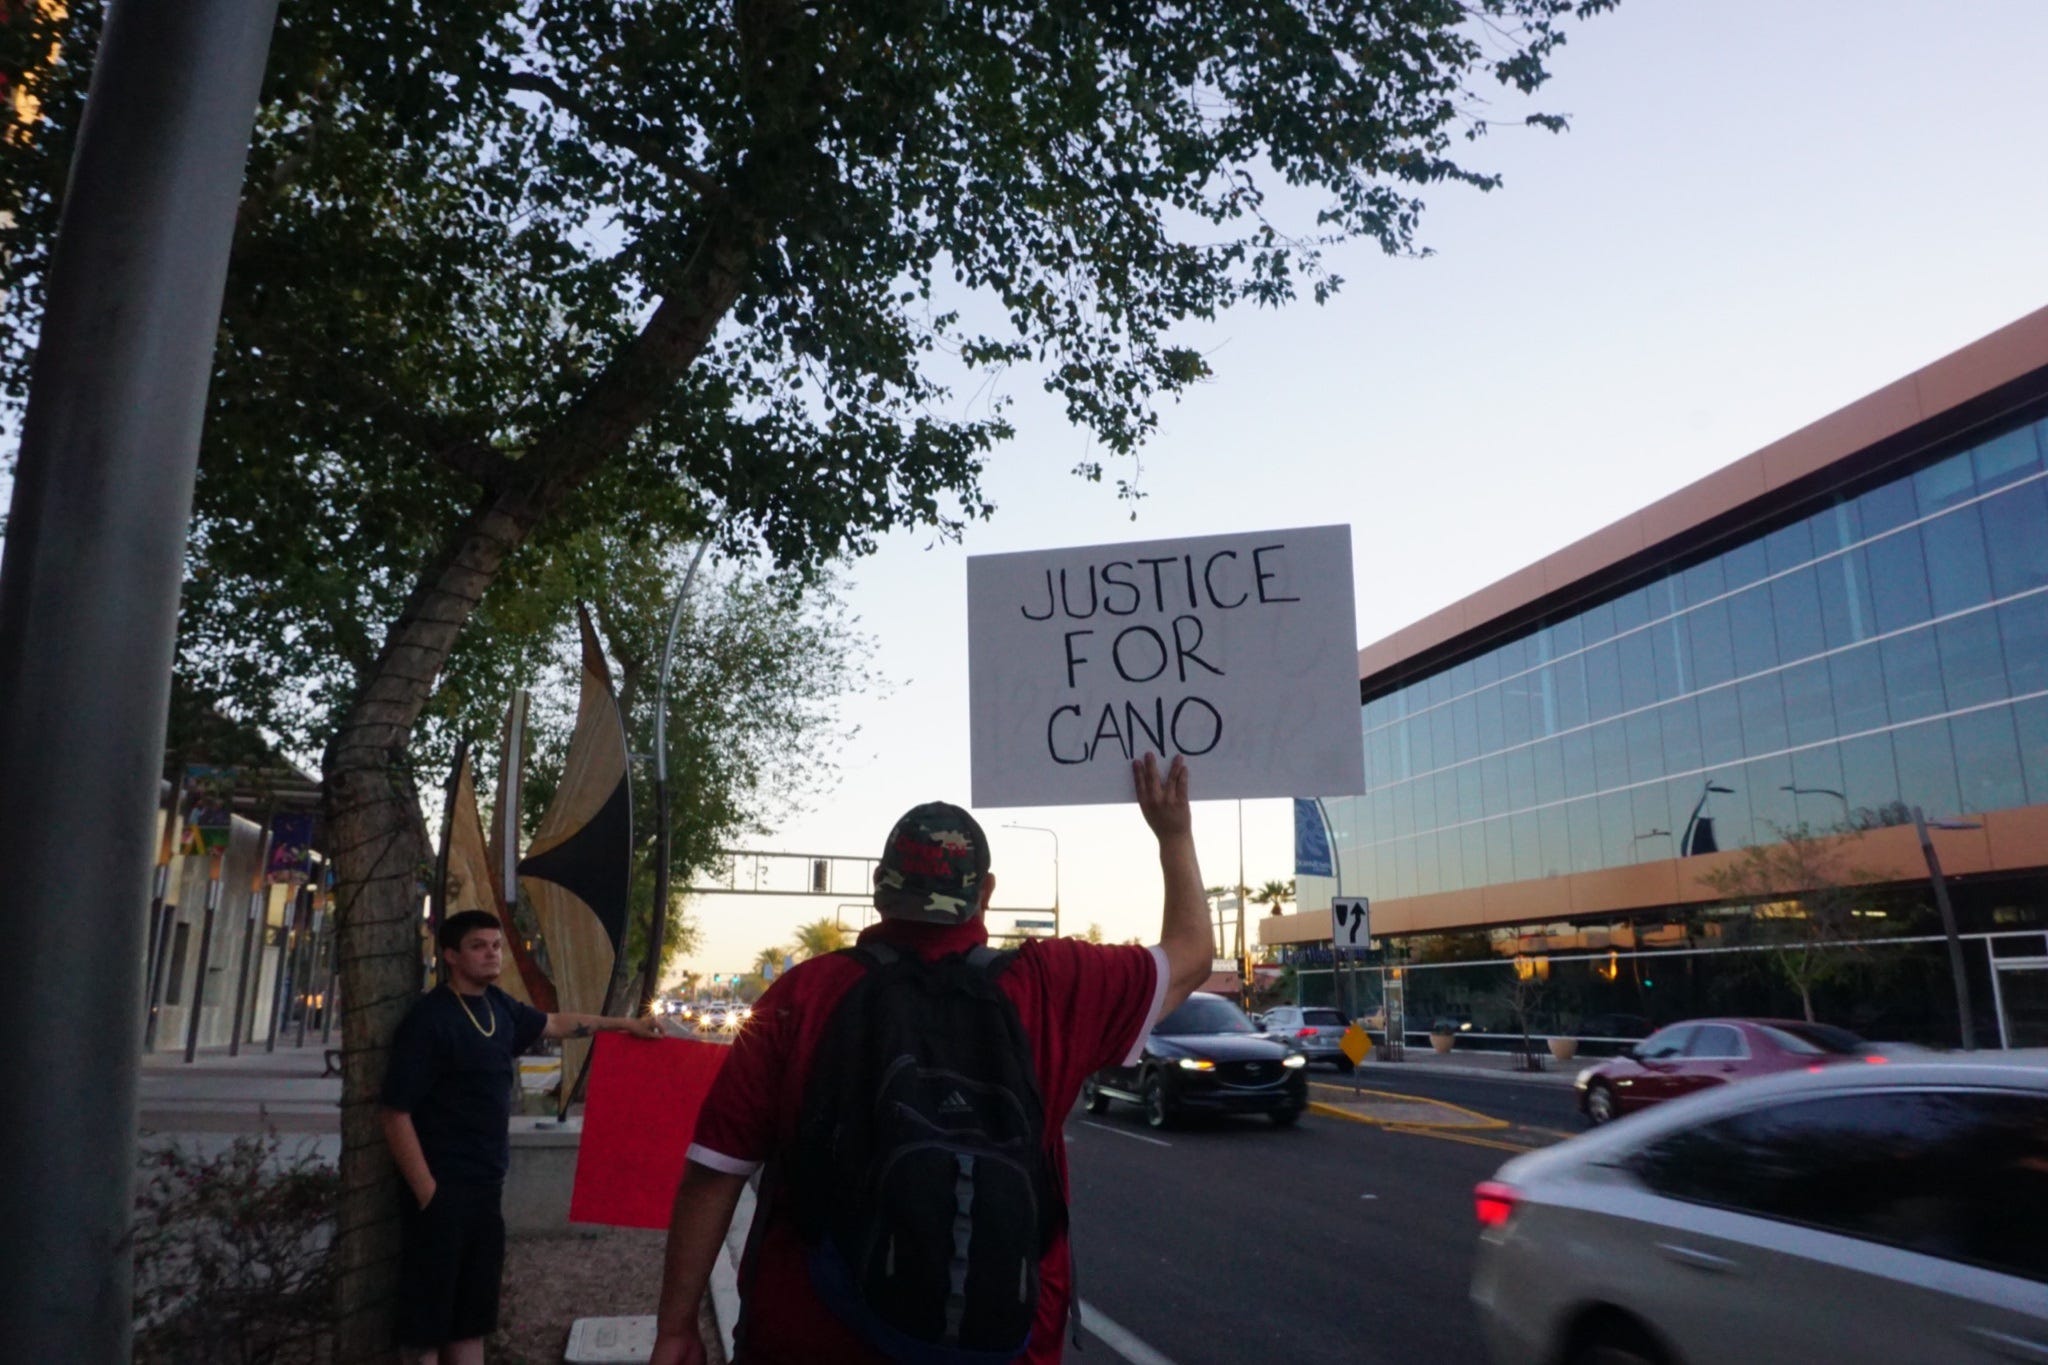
462	221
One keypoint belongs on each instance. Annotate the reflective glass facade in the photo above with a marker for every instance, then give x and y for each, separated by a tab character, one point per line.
1888	650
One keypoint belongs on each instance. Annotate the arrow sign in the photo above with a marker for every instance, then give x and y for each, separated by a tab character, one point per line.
1351	923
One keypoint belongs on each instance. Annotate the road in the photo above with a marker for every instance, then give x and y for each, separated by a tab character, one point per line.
1331	1241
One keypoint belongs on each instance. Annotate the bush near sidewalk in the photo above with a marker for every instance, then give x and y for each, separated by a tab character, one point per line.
233	1255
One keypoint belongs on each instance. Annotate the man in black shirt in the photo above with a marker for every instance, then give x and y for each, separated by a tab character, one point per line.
447	1106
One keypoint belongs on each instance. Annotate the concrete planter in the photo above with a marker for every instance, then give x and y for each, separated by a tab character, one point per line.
1442	1041
1564	1049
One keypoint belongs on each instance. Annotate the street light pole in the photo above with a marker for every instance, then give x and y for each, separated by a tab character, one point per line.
1921	826
658	926
1041	829
96	532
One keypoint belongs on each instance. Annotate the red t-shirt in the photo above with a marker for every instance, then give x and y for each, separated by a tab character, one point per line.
1083	1006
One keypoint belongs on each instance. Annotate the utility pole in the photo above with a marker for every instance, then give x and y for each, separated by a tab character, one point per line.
1921	826
88	622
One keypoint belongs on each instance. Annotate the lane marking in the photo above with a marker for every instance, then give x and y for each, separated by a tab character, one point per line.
1098	1325
1135	1137
1368	1196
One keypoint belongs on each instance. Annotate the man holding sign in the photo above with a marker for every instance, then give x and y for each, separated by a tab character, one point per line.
875	1240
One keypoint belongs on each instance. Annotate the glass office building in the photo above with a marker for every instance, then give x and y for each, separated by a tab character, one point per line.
1821	638
1885	650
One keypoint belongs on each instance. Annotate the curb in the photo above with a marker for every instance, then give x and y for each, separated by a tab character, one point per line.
1556	1078
725	1269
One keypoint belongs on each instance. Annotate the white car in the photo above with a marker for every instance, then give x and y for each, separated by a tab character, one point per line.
1890	1213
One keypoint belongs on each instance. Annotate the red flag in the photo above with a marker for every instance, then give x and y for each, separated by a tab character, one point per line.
638	1116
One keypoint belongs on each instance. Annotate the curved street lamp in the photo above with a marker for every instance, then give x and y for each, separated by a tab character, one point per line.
658	928
1041	829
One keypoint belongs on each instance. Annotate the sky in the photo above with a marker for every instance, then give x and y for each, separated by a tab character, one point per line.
1763	211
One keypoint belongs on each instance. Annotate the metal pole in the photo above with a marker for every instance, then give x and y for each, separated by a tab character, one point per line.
198	1006
437	908
287	949
88	619
657	927
256	899
161	913
165	914
1948	928
311	949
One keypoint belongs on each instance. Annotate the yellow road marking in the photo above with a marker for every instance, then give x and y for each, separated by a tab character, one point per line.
1483	1121
1417	1130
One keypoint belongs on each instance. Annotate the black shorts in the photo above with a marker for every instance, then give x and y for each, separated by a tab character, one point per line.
451	1257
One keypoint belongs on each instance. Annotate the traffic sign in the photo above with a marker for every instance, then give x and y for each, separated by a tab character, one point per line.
1355	1044
1034	924
1351	923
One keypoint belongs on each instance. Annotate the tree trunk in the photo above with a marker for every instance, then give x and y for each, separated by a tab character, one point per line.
376	834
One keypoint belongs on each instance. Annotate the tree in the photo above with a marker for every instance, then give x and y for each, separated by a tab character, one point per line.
508	272
1274	894
1803	895
768	961
818	938
1094	934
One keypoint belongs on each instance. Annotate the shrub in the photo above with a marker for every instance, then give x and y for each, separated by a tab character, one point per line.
233	1260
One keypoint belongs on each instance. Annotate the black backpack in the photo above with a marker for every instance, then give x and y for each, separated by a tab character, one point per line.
920	1181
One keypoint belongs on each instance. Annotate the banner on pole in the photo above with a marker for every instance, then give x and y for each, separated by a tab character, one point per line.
291	850
210	813
1237	651
1311	841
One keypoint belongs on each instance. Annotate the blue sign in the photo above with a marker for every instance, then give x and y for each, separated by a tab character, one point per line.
1311	841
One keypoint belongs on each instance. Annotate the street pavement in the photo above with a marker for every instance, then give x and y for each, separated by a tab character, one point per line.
205	1104
1347	1238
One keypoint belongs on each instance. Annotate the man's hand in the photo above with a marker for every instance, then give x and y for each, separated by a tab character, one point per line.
1164	800
683	1350
426	1198
646	1026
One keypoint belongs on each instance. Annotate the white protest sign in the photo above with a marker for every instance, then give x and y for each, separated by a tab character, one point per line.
1237	651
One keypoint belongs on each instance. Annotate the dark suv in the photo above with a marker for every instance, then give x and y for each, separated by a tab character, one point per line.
1206	1058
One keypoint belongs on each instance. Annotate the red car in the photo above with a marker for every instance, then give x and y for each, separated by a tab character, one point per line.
1691	1056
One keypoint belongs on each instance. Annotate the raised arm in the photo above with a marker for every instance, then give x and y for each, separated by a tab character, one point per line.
1184	924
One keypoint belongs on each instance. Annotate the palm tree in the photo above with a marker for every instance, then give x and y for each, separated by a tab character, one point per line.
768	961
1275	894
818	938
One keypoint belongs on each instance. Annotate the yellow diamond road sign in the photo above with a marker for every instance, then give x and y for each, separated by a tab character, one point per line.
1356	1044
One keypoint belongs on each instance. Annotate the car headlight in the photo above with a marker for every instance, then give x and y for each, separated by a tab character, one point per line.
1197	1064
1294	1059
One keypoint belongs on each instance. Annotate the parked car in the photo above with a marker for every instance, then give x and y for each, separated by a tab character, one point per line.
1317	1031
1205	1057
1886	1215
1700	1053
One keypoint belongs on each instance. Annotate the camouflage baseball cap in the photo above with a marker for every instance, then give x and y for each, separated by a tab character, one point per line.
932	866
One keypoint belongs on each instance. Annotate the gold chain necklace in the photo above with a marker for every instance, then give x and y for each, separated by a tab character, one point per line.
486	1032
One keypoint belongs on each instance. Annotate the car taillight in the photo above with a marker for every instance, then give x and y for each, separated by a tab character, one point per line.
1306	1033
1494	1203
1875	1060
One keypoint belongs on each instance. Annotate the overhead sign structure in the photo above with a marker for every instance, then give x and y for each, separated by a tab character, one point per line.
1238	652
1351	923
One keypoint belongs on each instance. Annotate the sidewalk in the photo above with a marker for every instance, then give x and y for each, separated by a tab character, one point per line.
1493	1066
216	1097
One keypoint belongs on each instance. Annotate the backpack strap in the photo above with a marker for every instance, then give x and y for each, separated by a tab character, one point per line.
989	961
872	955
